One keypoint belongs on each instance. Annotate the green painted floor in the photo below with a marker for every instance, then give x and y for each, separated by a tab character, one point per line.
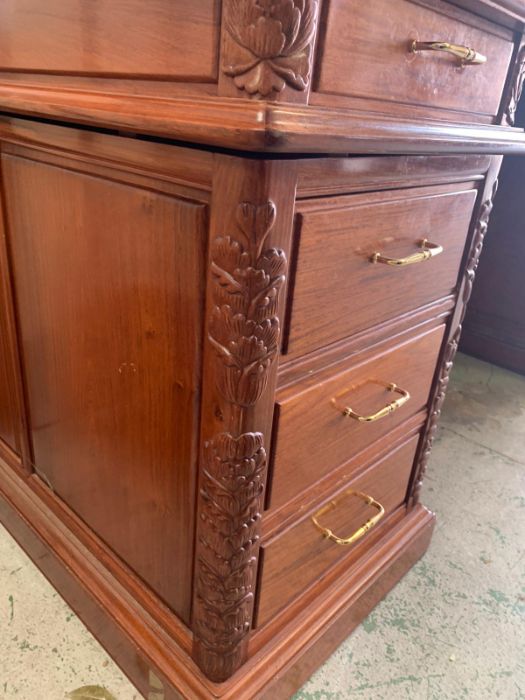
453	628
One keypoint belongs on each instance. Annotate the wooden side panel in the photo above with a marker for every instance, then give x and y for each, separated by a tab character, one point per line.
109	288
158	38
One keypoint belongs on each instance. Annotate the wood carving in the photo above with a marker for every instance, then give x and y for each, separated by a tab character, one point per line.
275	39
516	87
453	343
244	333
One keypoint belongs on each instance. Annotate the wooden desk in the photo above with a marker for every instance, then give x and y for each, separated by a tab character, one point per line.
238	243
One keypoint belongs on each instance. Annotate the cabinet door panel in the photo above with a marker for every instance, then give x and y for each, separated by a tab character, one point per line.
109	285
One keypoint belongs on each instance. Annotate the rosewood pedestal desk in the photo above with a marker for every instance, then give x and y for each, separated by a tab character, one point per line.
239	238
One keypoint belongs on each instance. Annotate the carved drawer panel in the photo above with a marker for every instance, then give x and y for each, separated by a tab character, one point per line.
340	289
293	561
367	57
312	434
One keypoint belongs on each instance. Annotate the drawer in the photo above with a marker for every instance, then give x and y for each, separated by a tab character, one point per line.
296	559
339	290
132	39
365	56
312	436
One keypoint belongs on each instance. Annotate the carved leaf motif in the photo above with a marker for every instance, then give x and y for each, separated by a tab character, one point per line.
232	491
244	330
518	80
276	38
453	343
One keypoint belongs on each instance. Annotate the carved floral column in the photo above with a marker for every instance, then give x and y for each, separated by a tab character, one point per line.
451	346
250	232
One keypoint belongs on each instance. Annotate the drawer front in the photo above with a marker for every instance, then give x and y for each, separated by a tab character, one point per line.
154	39
311	434
368	57
339	290
295	560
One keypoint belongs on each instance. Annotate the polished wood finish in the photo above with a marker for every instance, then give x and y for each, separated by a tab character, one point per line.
340	286
248	265
303	413
100	308
367	57
176	319
161	39
297	559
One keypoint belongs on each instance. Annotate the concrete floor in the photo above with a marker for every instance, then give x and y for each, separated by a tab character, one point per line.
452	629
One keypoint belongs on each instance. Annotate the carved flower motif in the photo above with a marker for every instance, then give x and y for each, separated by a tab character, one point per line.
276	37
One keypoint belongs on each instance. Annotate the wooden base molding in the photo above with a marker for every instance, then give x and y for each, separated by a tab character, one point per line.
274	672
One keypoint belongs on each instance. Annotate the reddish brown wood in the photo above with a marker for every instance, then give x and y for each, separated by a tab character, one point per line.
258	126
267	49
15	446
339	290
162	38
250	234
405	553
122	625
305	413
100	270
328	176
365	56
146	285
298	558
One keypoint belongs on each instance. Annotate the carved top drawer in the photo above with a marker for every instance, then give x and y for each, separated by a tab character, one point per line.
367	53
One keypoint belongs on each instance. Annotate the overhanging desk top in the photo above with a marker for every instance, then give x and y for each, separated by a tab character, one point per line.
275	90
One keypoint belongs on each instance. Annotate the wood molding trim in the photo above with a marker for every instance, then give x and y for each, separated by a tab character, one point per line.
261	126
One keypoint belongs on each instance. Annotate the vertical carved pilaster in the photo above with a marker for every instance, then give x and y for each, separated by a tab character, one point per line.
268	45
516	87
246	278
453	342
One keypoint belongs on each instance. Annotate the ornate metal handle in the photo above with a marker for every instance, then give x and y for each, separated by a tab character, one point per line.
430	250
466	55
389	408
360	531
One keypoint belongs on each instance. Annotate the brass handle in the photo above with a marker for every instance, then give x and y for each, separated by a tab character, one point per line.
466	55
389	408
361	530
430	250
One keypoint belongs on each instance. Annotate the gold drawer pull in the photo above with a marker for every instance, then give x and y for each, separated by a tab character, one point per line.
360	531
389	408
466	55
430	250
